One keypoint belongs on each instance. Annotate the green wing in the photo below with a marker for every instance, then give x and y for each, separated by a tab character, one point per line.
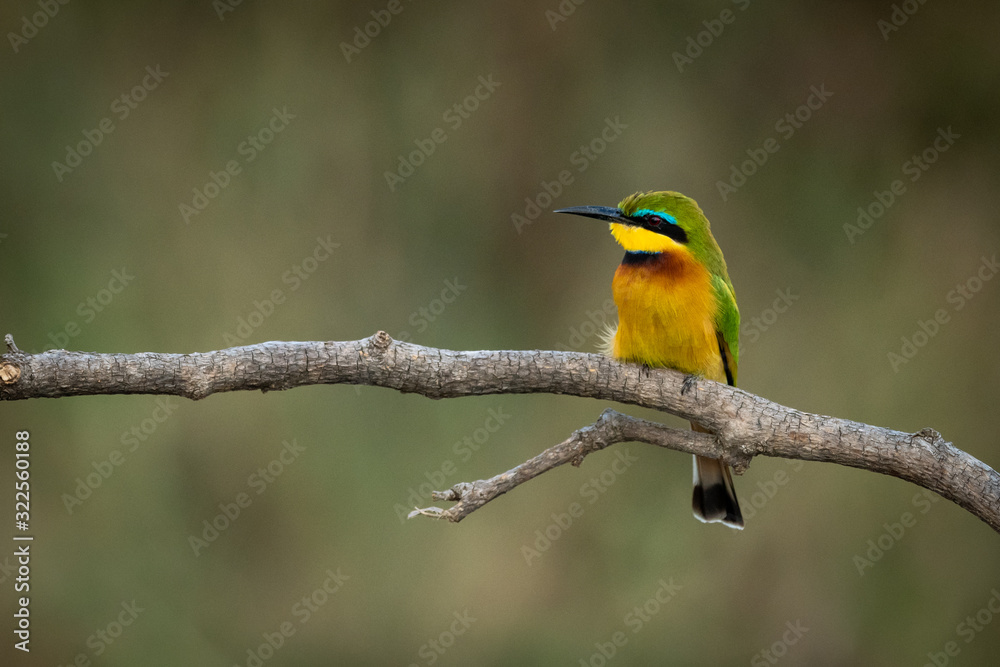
727	322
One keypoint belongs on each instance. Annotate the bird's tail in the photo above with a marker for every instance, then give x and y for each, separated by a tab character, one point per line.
714	498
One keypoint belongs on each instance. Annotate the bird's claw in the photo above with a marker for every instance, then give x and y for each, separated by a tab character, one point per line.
688	384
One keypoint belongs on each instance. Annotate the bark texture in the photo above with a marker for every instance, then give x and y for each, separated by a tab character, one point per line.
745	425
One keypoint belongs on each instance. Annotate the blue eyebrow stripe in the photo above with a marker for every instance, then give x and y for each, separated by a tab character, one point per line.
648	211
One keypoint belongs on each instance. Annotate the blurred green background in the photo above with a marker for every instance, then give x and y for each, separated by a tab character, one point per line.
440	259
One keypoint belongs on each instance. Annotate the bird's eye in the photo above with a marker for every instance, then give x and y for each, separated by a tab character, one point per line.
652	219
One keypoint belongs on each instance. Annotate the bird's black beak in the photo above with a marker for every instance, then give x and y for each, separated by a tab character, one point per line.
600	213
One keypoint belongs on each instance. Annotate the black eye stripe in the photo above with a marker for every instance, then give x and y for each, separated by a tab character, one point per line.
655	223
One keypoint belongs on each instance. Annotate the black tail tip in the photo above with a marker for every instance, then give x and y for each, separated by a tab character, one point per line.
716	505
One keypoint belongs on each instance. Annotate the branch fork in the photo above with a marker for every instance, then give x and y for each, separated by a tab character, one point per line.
610	428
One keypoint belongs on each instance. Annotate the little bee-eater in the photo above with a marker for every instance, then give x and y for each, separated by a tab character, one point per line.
676	309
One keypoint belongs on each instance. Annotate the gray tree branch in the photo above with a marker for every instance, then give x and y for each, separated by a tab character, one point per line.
745	425
612	427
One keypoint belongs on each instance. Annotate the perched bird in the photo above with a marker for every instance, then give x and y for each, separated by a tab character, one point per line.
676	309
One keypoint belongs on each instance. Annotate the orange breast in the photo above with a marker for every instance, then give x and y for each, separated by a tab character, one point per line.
666	315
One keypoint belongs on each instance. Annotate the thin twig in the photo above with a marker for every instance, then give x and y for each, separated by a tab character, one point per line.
611	427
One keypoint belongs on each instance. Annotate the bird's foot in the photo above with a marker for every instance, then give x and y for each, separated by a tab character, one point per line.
688	384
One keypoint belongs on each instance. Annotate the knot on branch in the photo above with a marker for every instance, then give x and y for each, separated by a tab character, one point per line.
740	463
928	434
736	450
609	418
379	343
468	495
9	373
604	432
941	449
738	454
458	492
